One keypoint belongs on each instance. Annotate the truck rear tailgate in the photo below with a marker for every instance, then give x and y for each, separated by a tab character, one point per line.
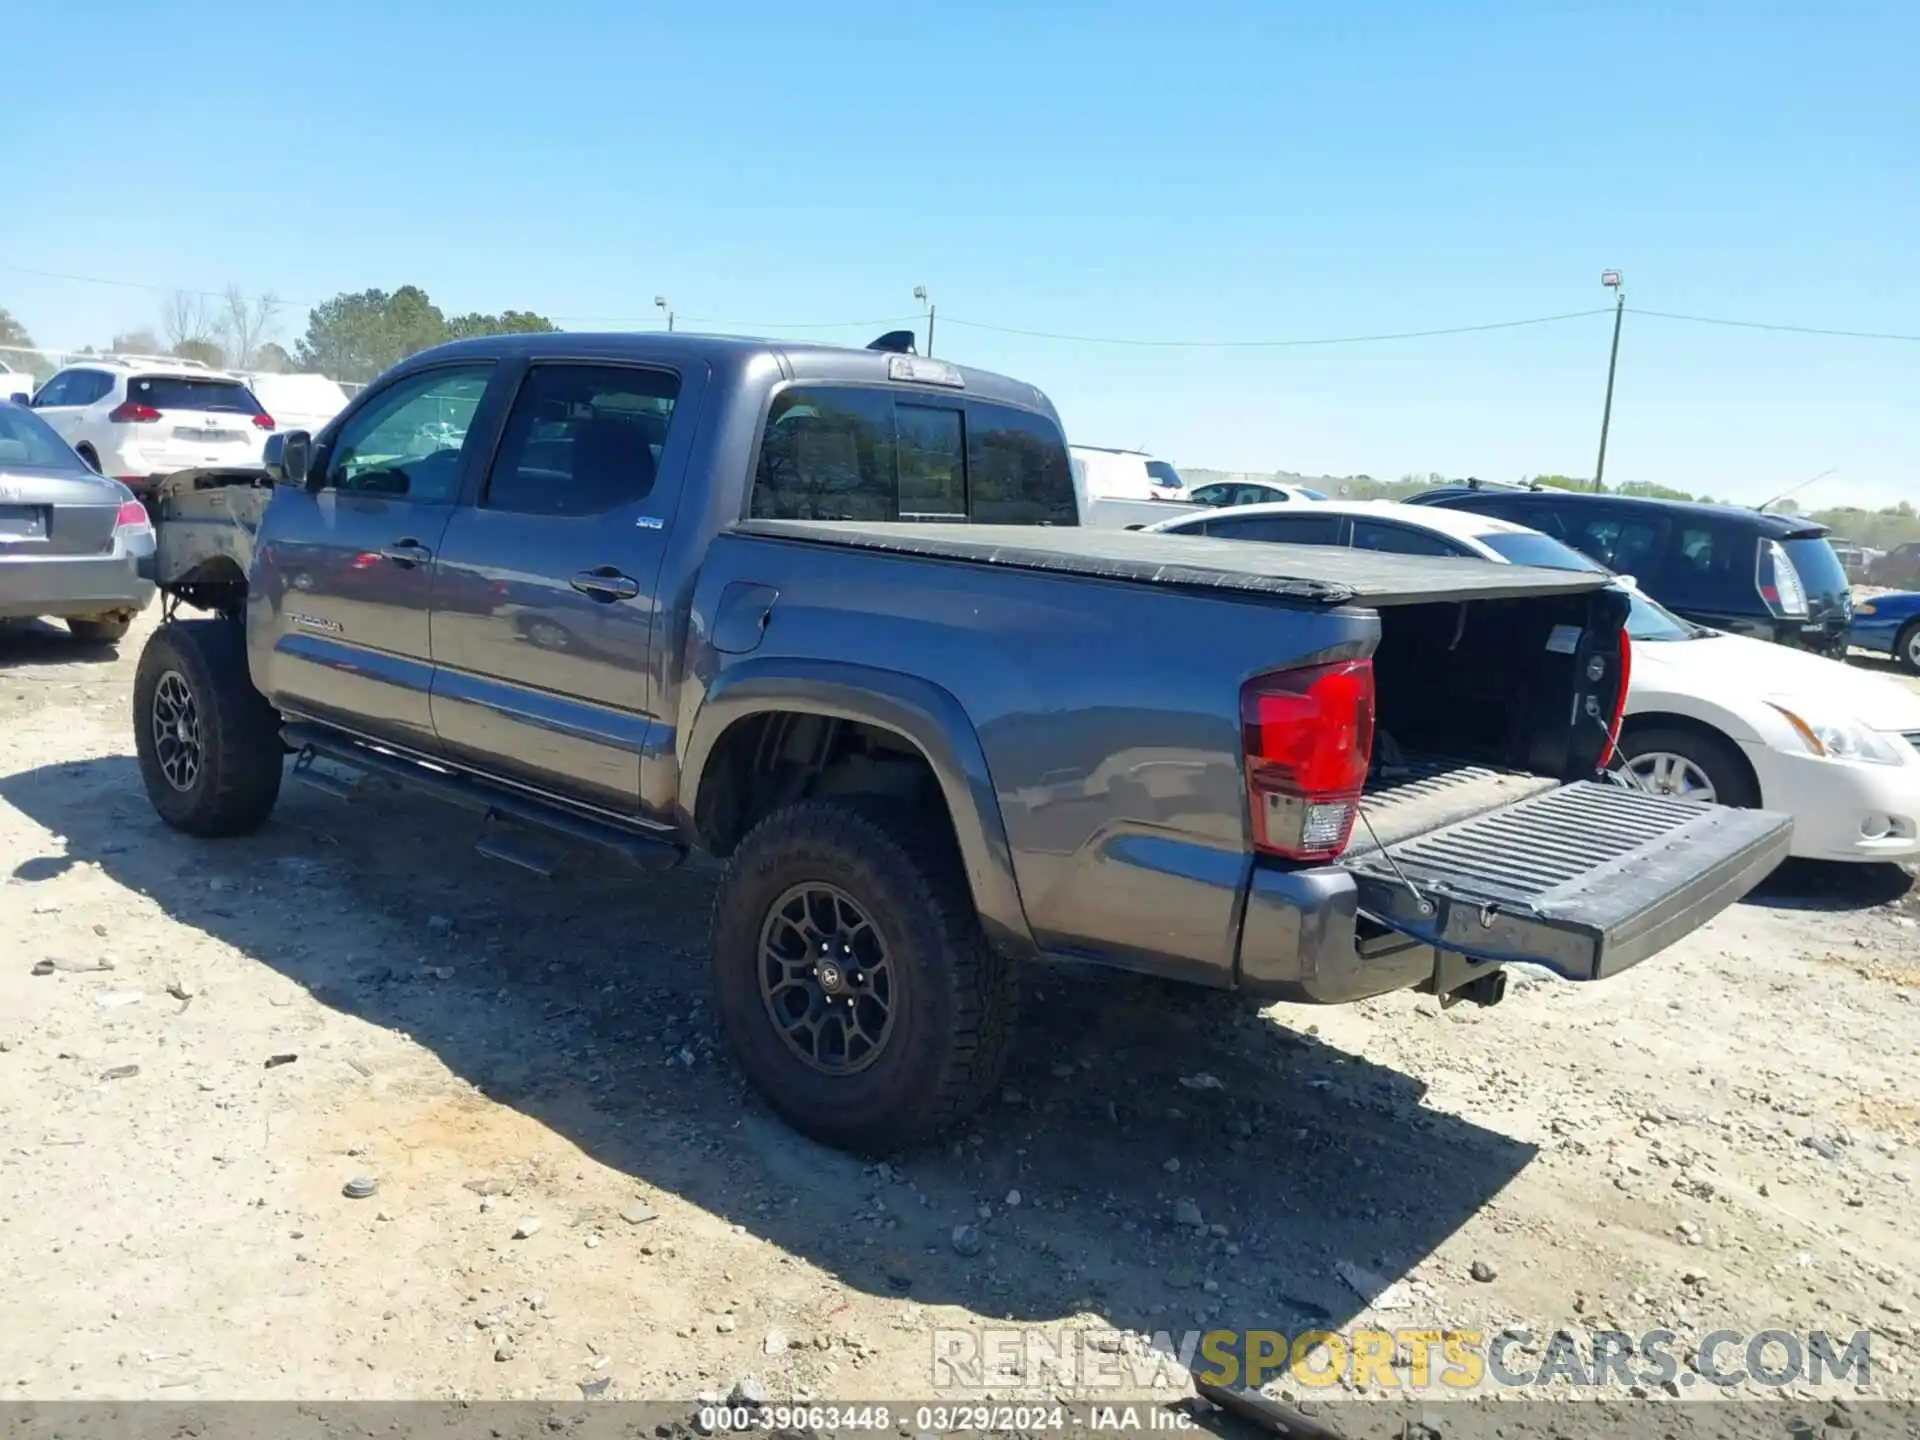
1585	879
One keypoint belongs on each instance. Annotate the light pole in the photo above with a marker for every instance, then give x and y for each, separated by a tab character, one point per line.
665	309
920	294
1611	279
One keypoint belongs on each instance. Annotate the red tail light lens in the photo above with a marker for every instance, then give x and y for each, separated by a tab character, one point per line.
263	421
1620	704
1308	738
132	515
133	413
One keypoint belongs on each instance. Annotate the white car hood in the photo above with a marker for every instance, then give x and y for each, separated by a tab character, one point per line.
1730	665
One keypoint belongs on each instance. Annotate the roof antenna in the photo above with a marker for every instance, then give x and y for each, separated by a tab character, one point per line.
894	342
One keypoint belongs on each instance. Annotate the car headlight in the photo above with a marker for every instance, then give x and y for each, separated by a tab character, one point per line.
1841	739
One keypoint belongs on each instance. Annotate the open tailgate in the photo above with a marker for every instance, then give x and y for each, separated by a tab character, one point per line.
1584	879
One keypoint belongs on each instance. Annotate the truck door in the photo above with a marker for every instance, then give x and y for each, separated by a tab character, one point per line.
343	573
544	603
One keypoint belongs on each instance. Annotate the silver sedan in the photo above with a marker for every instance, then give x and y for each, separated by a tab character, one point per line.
74	546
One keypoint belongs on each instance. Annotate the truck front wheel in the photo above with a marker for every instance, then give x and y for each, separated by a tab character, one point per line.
853	977
209	744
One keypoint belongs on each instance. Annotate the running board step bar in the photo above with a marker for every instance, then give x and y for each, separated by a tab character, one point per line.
493	803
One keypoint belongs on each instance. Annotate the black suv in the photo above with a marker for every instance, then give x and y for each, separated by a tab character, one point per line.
1773	577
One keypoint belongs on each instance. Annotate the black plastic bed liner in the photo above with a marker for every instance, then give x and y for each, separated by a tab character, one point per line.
1584	879
1423	793
1322	574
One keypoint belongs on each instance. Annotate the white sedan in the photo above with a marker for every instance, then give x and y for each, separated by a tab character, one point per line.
1710	717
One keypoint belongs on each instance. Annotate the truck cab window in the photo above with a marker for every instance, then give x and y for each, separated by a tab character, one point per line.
408	441
827	455
582	439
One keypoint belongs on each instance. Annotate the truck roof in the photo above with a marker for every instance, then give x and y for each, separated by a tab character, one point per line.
801	360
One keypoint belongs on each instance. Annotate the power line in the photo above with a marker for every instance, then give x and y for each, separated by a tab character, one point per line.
1767	325
1281	344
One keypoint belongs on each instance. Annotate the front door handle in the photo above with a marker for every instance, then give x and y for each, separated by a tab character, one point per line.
606	584
407	553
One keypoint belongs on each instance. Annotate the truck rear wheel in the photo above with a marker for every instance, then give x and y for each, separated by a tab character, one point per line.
854	979
209	744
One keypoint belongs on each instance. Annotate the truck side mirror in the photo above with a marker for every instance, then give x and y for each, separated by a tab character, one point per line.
288	454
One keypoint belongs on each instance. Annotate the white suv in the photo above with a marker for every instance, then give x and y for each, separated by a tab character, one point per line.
137	418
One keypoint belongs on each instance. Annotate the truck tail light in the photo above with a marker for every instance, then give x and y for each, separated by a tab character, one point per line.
1620	703
133	413
1308	740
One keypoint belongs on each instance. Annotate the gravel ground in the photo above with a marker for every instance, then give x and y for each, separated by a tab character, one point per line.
205	1046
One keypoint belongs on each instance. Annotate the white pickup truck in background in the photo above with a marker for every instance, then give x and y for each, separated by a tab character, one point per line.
1124	489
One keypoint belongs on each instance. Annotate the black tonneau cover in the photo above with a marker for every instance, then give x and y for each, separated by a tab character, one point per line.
1325	575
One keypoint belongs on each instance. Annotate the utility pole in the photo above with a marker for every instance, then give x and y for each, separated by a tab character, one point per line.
665	309
1611	279
920	294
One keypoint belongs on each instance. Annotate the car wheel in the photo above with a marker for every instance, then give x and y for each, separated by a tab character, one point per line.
1688	765
854	979
549	636
209	744
102	630
1906	648
87	454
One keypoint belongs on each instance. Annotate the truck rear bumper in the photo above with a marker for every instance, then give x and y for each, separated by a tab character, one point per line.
1299	942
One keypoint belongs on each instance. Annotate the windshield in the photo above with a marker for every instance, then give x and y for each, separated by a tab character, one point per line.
1820	569
27	440
1647	620
1526	547
1163	474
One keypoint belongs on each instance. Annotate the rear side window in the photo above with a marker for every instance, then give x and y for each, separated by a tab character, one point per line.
1401	540
582	439
850	453
26	439
1625	544
190	392
1707	561
1281	529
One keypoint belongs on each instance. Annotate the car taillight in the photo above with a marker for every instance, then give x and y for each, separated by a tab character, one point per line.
1779	582
263	421
133	413
1308	740
365	560
1620	703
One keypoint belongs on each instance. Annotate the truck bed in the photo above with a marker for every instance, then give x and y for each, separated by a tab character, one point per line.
1317	574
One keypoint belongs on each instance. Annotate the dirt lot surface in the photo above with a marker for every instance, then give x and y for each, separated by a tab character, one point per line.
202	1045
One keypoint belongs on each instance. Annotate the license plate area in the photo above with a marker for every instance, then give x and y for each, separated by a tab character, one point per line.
22	522
1586	879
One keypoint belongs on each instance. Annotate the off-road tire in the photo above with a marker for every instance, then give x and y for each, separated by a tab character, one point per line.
101	630
956	996
239	732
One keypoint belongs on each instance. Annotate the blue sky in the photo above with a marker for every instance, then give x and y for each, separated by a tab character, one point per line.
1151	171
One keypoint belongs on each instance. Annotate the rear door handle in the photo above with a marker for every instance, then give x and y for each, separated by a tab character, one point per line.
407	552
605	584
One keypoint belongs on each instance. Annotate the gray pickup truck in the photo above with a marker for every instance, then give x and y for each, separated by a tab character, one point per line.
825	614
